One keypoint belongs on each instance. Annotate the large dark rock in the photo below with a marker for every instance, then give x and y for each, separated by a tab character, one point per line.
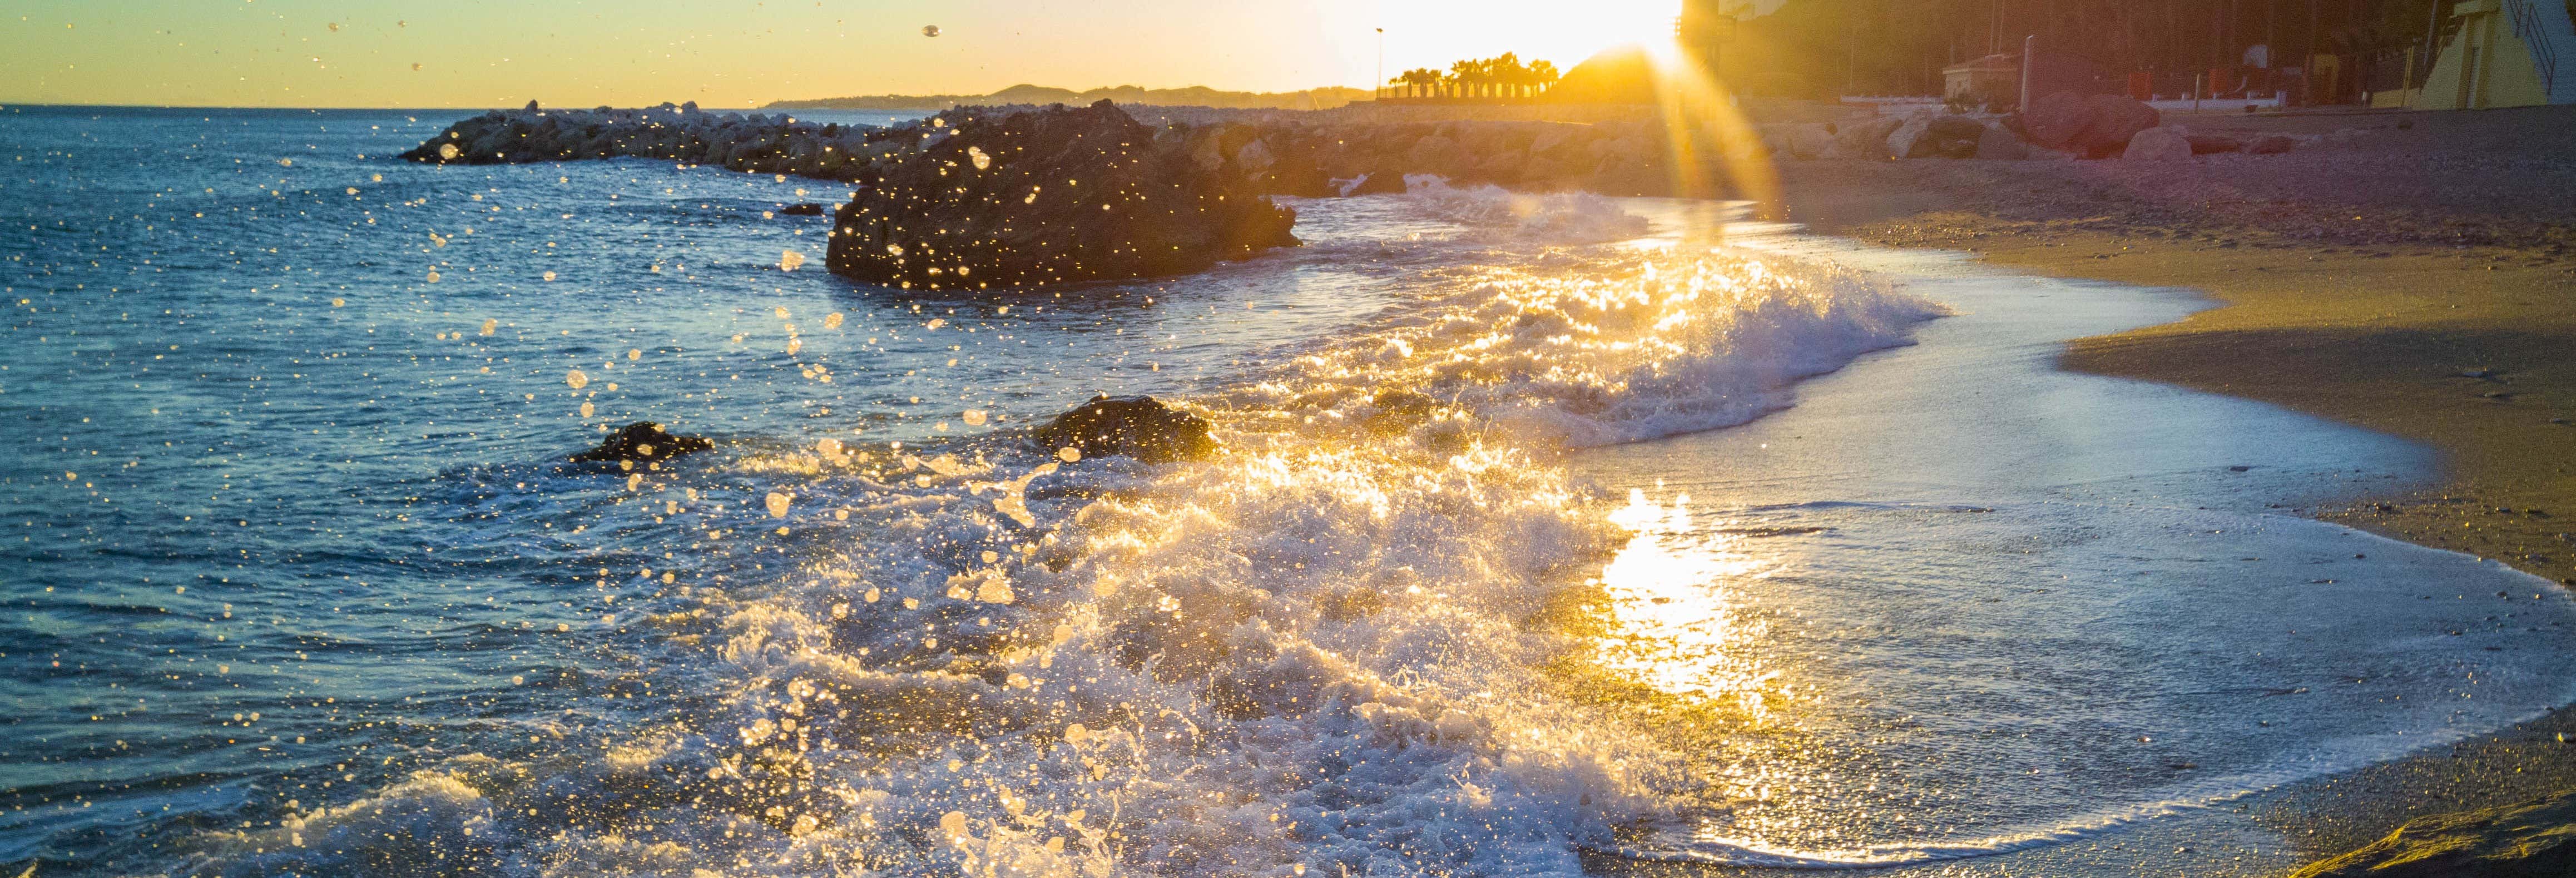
1023	198
2115	119
2097	126
2529	840
2053	121
643	442
1140	427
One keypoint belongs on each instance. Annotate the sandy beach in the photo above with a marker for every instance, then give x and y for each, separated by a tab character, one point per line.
2415	280
2411	273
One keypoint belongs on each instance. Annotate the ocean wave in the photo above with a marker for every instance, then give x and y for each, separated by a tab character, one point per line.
1332	646
1491	212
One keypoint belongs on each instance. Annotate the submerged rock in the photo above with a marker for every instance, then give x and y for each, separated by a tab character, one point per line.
643	442
1025	198
801	208
2529	840
1140	427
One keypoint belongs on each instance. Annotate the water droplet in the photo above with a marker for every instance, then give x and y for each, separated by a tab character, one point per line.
974	417
778	504
337	301
446	151
548	275
982	161
492	325
634	354
586	410
832	320
433	275
789	259
576	379
1068	454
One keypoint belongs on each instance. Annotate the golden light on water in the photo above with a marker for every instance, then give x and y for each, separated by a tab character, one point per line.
1673	625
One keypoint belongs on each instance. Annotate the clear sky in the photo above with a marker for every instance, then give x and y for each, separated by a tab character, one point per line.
736	53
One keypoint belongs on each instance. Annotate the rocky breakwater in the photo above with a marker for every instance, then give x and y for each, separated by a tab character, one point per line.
1010	197
1317	159
755	143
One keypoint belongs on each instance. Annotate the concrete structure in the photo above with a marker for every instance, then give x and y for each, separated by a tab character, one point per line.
1994	80
2505	53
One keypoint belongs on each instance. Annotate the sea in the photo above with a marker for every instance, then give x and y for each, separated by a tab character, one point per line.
1549	535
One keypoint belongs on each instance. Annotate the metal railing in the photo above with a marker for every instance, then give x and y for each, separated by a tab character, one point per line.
2544	52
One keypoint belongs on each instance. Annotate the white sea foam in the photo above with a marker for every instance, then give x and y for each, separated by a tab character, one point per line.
1493	213
1325	649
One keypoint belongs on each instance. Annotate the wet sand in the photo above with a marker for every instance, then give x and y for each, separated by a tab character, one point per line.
2415	276
2392	280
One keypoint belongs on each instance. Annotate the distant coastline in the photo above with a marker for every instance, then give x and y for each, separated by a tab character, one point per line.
1192	96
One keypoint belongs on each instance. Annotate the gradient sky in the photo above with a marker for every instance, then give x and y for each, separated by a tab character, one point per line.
736	53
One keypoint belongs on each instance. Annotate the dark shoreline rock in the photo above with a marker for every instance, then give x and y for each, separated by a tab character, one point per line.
642	442
1140	427
1018	199
756	143
2527	840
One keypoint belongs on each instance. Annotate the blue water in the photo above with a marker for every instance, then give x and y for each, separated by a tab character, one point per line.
302	587
287	522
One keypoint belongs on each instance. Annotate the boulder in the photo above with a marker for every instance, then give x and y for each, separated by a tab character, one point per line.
1255	157
1995	142
1866	139
1019	198
2055	120
1810	140
1951	129
642	442
1435	155
1556	139
2112	120
1140	427
2158	145
1502	167
2528	840
1912	140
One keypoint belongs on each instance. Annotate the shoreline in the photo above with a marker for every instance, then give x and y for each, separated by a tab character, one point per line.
2447	323
2459	346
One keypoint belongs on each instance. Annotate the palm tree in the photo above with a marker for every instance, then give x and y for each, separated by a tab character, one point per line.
1543	75
1468	75
1507	73
1419	81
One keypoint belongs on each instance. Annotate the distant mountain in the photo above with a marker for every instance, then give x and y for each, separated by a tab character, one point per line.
1193	96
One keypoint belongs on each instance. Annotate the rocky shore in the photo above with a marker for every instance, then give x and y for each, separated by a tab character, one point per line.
1329	154
1024	198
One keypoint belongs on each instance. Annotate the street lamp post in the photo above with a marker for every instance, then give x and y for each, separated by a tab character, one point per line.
1380	82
